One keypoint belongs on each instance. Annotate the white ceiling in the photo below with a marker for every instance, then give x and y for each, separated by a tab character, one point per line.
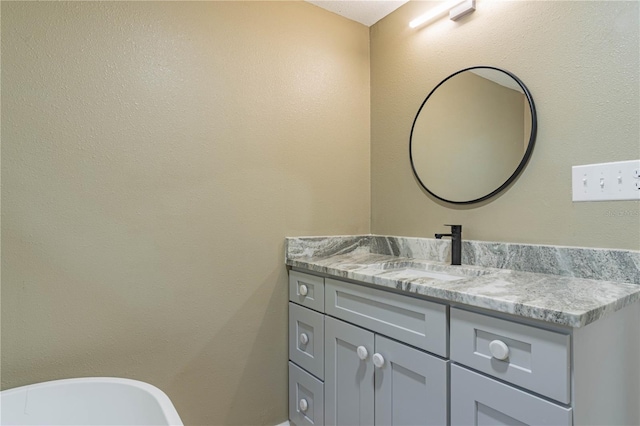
367	12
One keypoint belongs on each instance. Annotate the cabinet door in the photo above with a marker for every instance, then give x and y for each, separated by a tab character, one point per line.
481	401
348	379
410	386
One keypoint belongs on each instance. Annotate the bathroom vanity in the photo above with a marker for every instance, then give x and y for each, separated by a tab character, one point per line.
382	331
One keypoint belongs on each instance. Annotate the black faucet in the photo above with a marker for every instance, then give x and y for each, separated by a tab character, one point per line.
456	243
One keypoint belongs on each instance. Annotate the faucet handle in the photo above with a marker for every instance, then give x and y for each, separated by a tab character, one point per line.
456	227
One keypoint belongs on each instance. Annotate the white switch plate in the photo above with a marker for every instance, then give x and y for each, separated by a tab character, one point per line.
606	181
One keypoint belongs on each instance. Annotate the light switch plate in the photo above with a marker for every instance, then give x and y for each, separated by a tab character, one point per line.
619	180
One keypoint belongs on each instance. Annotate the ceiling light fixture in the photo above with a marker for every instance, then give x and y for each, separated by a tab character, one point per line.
456	8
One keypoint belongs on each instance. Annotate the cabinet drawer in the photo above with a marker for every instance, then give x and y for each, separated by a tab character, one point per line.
306	339
533	358
479	400
418	322
306	290
306	397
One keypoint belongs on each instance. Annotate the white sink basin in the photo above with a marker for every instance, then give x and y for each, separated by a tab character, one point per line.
419	273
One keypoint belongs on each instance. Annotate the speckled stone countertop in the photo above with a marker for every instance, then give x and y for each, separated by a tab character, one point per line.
561	285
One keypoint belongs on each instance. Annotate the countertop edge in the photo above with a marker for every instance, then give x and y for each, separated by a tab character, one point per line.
568	317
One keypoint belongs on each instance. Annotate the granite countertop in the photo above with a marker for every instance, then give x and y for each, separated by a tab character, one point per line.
565	298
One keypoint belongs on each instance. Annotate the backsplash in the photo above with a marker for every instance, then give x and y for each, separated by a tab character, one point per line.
301	247
579	262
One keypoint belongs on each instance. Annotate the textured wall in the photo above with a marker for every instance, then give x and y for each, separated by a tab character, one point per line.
580	62
154	157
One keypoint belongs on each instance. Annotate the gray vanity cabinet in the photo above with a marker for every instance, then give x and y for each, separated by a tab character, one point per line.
364	356
373	380
345	366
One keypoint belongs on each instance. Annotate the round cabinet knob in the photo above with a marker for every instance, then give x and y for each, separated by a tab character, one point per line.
304	339
303	290
362	352
499	349
378	360
304	405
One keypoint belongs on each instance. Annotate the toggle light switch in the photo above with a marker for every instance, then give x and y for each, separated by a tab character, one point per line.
606	181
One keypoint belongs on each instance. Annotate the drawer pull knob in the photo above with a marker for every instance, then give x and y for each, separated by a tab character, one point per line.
499	349
303	290
362	352
304	339
304	405
378	360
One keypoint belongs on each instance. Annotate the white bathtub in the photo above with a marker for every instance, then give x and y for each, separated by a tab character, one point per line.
87	401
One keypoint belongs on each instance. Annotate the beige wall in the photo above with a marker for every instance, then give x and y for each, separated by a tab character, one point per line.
580	62
154	157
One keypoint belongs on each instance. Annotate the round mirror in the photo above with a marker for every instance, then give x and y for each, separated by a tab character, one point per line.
472	135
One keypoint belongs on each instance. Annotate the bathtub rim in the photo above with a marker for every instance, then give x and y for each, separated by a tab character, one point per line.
167	407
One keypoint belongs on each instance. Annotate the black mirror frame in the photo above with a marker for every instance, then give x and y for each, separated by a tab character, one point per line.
525	157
